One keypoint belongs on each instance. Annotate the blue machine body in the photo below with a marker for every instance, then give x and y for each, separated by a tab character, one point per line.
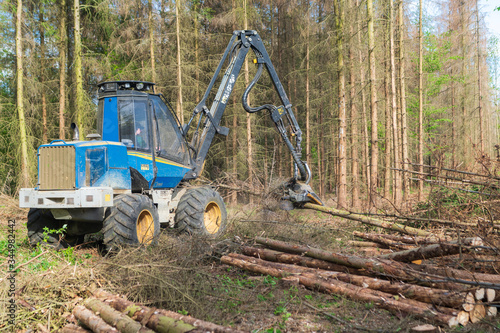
141	145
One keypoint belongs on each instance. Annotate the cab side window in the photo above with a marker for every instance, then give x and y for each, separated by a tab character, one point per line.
134	130
170	143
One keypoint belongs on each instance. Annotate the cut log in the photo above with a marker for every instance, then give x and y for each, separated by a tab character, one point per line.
491	311
160	320
379	298
403	271
382	240
469	303
388	268
490	294
479	294
122	322
370	220
92	321
365	244
463	318
452	273
287	258
72	328
426	328
437	297
478	313
424	252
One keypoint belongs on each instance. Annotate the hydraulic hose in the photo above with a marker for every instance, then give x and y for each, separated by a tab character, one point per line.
305	173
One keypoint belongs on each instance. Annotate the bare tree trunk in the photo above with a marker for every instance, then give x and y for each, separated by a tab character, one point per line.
79	107
373	105
42	74
308	110
354	124
395	130
402	82
180	110
62	70
24	179
234	135
151	40
342	183
420	104
479	90
388	121
366	140
249	119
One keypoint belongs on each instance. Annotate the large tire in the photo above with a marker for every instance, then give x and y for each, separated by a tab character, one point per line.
201	211
38	219
132	220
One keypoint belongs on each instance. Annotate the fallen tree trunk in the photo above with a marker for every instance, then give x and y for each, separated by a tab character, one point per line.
424	252
380	239
381	299
287	258
92	321
370	220
158	319
438	297
456	274
424	274
122	322
417	240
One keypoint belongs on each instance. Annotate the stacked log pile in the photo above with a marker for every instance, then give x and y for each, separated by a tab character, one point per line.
444	296
108	313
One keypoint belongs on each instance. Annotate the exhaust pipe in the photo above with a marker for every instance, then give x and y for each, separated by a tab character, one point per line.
76	132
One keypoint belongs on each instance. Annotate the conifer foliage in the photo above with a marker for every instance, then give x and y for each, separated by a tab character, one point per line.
376	85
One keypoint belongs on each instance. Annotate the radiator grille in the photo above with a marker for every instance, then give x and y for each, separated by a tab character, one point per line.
57	168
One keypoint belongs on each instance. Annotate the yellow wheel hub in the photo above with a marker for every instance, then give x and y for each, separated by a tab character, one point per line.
145	227
212	217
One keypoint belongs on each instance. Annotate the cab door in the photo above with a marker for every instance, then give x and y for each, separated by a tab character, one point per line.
135	134
172	155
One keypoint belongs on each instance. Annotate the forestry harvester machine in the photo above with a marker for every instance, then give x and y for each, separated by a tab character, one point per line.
133	175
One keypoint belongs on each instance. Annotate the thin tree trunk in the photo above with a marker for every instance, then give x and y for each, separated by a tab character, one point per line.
420	104
342	182
62	70
180	110
402	83
249	119
395	131
354	124
479	90
388	120
308	110
151	40
366	140
79	107
234	136
24	177
373	105
42	74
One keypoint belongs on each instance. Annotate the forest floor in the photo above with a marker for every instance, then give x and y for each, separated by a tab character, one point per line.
184	274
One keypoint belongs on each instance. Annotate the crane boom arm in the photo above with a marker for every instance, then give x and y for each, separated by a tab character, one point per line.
241	43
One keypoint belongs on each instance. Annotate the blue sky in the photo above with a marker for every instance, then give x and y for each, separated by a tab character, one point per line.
492	17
